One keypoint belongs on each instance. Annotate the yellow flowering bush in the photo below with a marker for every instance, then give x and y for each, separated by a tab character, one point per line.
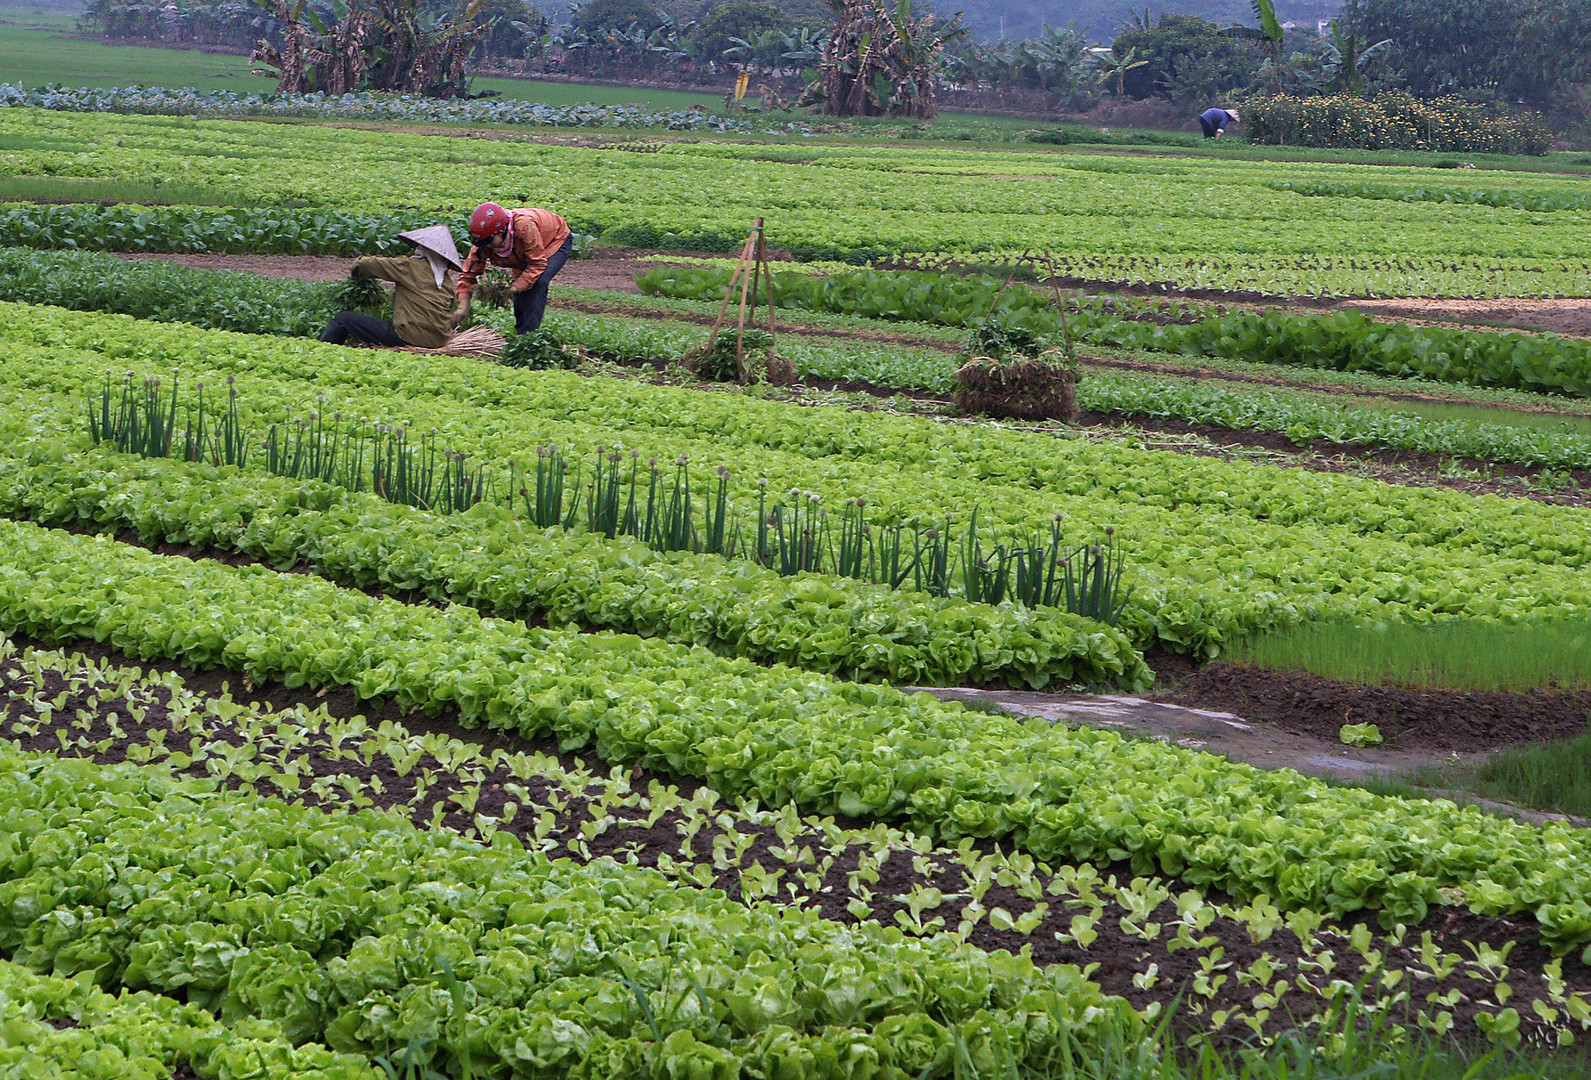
1392	121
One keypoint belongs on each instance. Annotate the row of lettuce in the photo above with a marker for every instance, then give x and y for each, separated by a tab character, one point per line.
51	1021
1343	340
495	560
785	736
1214	549
378	939
246	303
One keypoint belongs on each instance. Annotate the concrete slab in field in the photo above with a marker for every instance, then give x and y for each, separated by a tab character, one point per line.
1228	735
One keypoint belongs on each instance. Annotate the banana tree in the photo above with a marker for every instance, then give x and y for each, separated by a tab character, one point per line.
1346	62
759	52
1110	66
1268	35
1059	57
883	60
427	52
387	45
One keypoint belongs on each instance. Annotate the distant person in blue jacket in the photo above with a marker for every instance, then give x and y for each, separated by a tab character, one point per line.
1214	122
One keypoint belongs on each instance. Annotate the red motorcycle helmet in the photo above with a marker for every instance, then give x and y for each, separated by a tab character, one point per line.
488	220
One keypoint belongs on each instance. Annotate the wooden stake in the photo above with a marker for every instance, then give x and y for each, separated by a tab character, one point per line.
754	245
740	267
751	267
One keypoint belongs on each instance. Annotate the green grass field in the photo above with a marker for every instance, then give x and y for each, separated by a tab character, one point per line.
1463	654
34	52
36	56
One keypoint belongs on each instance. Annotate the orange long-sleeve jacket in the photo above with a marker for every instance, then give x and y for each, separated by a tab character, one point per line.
536	235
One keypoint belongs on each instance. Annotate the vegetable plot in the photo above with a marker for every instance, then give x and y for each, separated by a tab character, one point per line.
250	304
1213	549
1343	340
1216	225
1253	968
382	939
499	563
788	737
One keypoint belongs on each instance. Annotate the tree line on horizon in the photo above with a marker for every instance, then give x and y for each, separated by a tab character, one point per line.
887	57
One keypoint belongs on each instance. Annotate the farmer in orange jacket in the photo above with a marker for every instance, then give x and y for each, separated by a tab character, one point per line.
532	244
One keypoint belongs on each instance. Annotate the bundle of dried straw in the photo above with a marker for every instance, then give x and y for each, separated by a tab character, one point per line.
481	341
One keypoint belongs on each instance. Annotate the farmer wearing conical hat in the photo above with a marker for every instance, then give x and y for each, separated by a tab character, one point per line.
423	303
533	244
1213	122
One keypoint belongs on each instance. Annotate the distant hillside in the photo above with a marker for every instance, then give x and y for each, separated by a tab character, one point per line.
1101	18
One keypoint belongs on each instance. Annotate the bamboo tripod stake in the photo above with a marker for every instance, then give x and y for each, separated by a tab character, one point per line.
1047	261
752	265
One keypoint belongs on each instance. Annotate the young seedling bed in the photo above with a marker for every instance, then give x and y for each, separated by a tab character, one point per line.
1154	941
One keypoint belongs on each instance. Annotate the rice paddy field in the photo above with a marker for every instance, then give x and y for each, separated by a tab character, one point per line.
557	713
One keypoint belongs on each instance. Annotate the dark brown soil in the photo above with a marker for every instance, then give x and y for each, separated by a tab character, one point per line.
299	267
1464	721
1119	953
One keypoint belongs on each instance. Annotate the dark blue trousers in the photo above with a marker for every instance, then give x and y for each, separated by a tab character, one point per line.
361	327
530	306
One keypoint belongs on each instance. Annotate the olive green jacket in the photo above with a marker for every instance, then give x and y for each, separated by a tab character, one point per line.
420	310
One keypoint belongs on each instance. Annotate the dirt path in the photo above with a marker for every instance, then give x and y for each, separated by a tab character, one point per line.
1570	318
613	274
1263	744
1291	719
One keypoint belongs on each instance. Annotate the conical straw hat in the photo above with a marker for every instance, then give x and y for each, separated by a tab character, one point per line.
436	238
